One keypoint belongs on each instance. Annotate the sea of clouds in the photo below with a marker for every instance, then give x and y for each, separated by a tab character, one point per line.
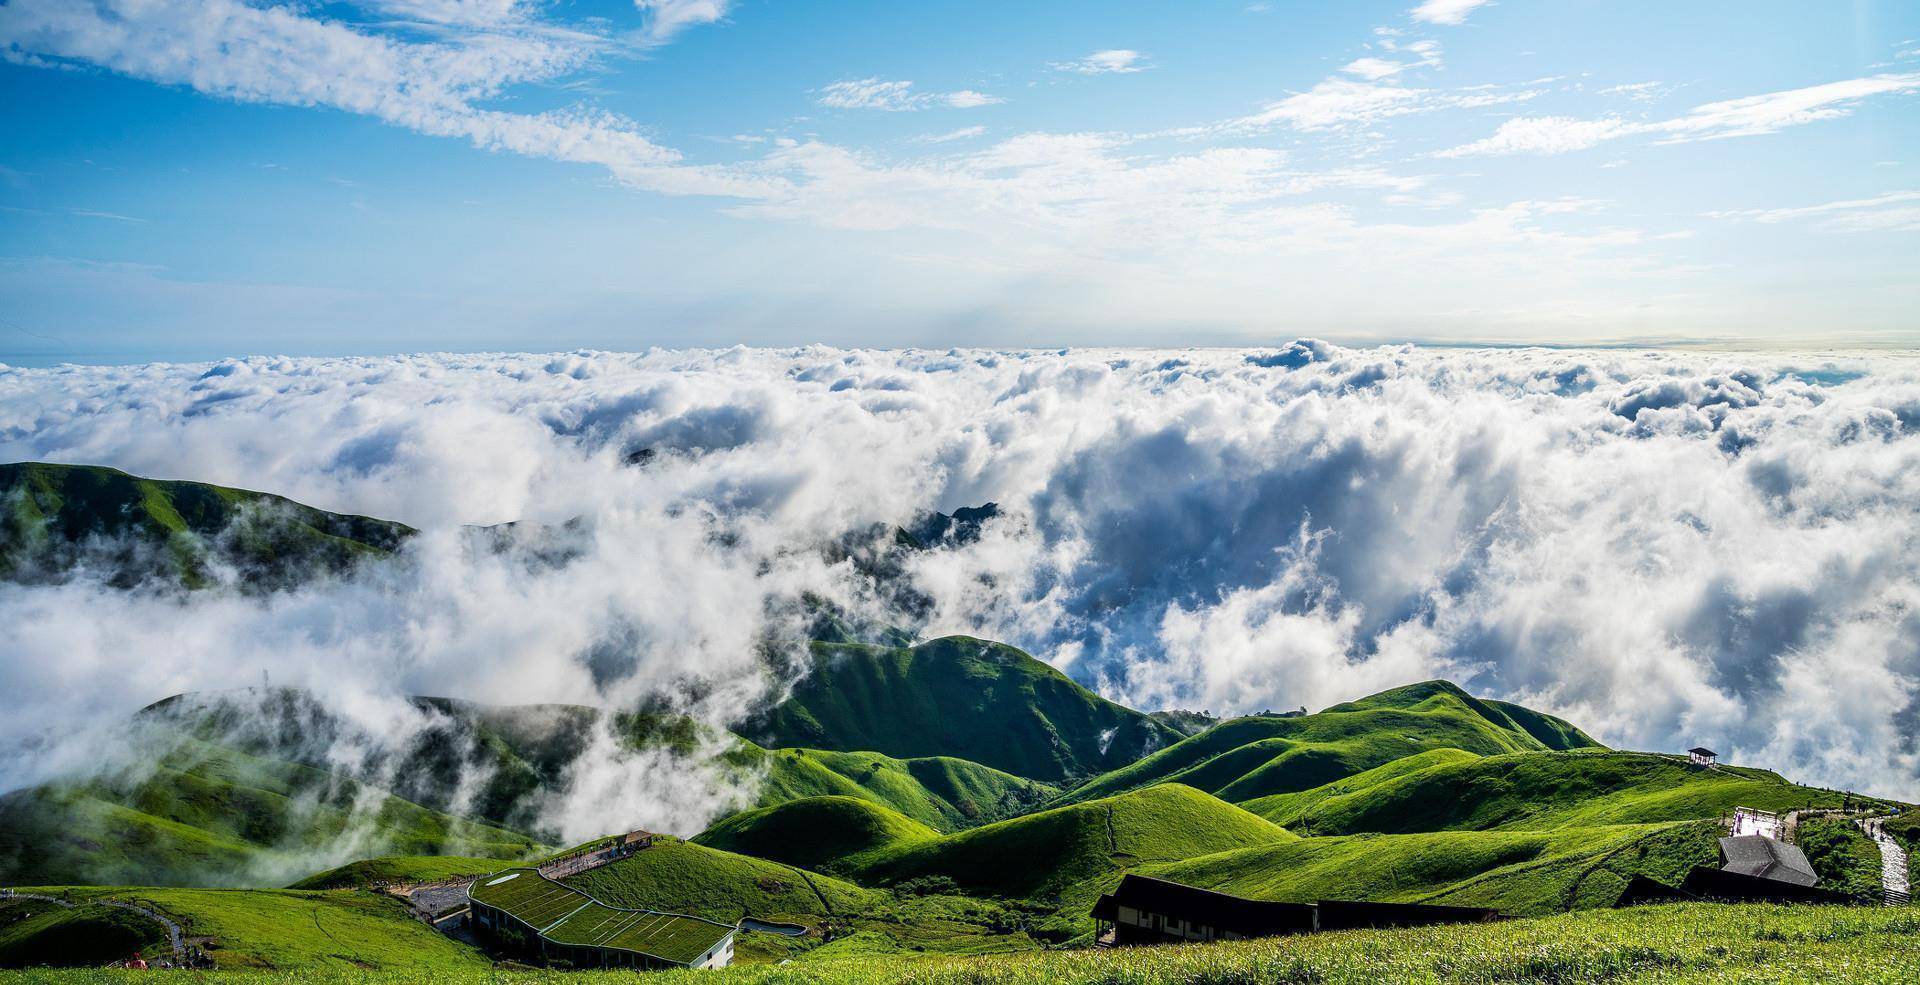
1667	548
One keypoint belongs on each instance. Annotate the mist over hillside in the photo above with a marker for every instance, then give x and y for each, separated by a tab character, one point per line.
1662	547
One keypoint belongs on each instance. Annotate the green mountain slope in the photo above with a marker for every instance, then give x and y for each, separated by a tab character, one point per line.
1544	791
1039	855
1526	872
55	517
207	815
683	877
824	833
941	792
342	932
1249	758
1288	809
962	697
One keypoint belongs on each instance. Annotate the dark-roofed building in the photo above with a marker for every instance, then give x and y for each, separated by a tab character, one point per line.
1702	756
1736	887
1348	915
1766	858
1144	910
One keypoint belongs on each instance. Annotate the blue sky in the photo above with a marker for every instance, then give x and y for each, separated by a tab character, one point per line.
183	179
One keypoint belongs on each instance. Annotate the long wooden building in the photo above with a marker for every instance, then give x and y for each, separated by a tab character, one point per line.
1145	910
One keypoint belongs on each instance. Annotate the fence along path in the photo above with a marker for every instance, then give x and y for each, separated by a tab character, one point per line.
1893	861
175	939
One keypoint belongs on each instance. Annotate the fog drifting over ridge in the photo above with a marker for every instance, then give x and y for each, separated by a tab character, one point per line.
1667	548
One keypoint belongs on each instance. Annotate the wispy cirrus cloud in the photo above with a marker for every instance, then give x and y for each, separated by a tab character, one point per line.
1743	117
1447	12
1892	212
897	96
1112	61
666	18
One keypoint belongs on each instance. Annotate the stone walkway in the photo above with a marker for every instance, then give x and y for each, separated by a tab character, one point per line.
1893	861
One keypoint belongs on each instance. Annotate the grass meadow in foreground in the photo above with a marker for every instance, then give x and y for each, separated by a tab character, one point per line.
1682	943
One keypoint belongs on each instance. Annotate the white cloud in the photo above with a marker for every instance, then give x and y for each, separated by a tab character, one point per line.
666	18
1638	91
897	96
1744	117
1113	61
1668	547
1339	102
1373	68
231	50
1891	212
964	133
1544	135
1449	12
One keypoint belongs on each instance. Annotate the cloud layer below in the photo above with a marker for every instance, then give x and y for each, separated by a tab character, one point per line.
1666	548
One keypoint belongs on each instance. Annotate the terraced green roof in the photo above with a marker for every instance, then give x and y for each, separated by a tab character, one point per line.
671	936
566	915
530	897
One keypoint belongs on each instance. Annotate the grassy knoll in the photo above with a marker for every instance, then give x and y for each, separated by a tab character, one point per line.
941	792
1847	860
1692	944
825	833
1287	809
1523	872
1037	856
985	702
1250	758
190	533
312	932
682	877
37	932
400	869
1544	790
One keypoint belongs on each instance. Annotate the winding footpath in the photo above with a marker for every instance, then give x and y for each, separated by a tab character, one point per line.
1893	861
175	939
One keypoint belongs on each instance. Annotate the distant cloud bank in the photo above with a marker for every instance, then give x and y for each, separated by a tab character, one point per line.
1666	548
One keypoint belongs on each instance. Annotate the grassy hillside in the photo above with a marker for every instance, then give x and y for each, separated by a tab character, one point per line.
1522	872
38	932
397	869
1846	859
683	877
1040	855
970	699
310	932
825	833
56	517
1541	791
1249	758
1692	944
207	815
941	792
1287	809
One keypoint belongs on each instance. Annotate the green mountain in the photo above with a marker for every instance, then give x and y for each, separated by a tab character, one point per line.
1040	855
1249	758
1521	872
824	833
941	792
1546	791
206	815
54	518
960	697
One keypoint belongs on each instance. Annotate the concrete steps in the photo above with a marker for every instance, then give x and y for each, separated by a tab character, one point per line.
1893	862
